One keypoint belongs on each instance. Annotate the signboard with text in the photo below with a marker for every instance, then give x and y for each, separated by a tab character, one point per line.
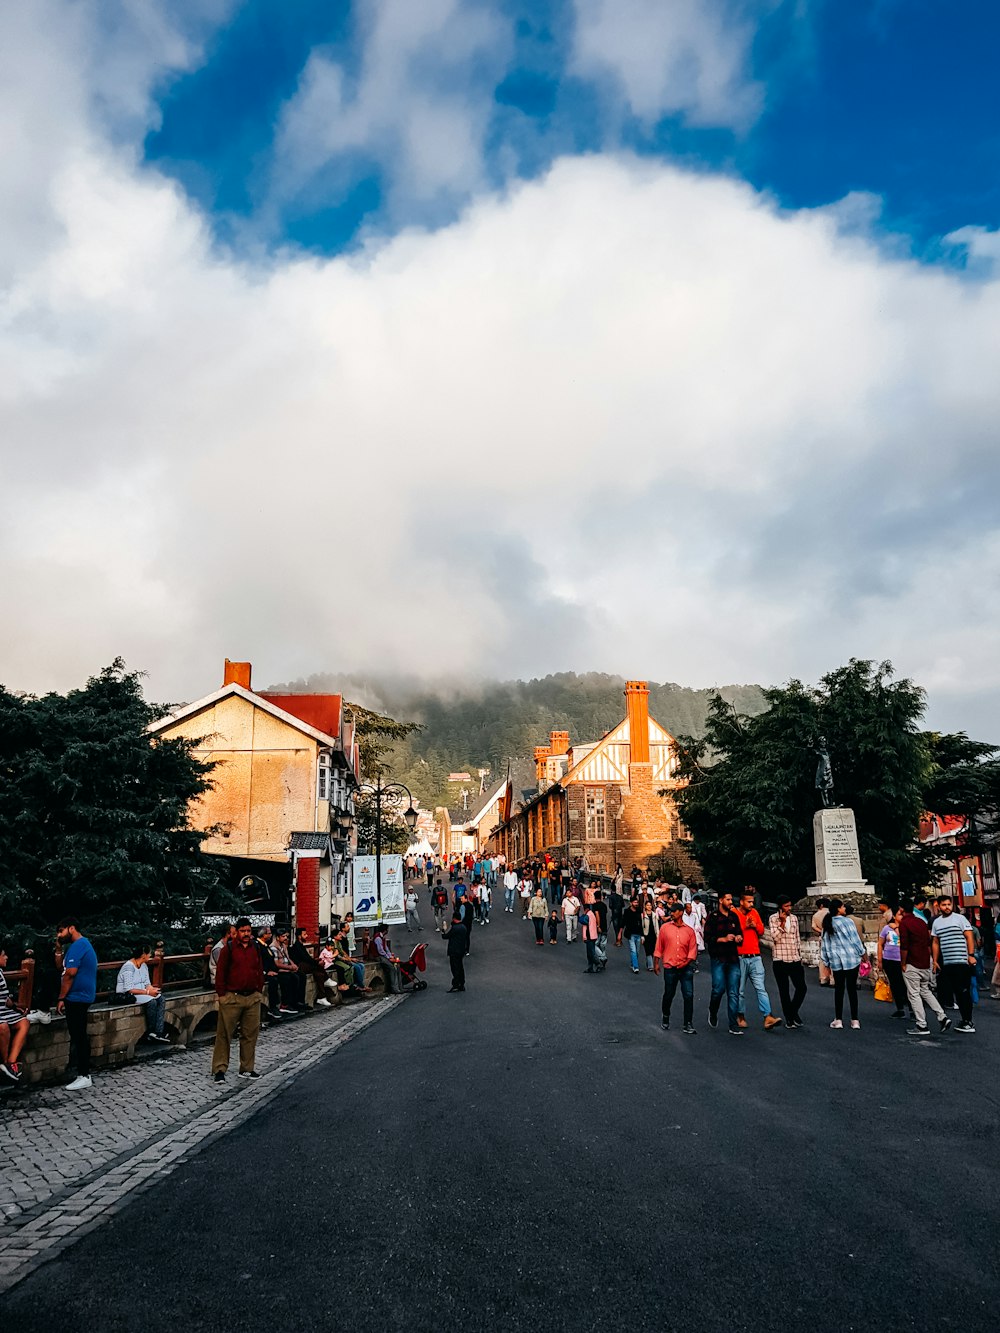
365	891
393	912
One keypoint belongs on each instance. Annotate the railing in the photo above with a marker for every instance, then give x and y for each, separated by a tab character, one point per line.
24	977
158	964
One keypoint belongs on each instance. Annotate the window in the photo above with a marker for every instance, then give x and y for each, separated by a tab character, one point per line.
323	778
596	828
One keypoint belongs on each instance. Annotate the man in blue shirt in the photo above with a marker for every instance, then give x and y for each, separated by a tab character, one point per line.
76	994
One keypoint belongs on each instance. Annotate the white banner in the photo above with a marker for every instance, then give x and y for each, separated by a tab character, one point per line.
365	894
393	913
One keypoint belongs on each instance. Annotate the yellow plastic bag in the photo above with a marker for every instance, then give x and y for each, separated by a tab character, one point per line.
883	991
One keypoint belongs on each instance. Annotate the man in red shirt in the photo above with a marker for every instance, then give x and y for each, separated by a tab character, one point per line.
677	949
239	984
751	963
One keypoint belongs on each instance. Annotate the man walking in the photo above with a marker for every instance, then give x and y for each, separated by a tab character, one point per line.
786	957
77	992
751	963
239	984
954	948
509	889
723	935
458	944
411	905
677	949
440	901
915	961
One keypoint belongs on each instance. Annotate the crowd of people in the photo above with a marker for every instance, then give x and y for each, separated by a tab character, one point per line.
928	955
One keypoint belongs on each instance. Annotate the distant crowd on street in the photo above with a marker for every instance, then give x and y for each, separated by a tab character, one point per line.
929	957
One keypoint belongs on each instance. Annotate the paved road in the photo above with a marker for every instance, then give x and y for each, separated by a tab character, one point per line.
537	1154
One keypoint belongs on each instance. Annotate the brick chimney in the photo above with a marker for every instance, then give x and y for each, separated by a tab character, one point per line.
558	742
237	673
637	705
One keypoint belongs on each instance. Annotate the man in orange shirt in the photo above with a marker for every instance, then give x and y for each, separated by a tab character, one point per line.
751	963
677	949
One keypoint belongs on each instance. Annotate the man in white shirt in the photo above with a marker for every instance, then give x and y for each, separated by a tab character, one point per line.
411	903
509	889
570	911
694	916
133	980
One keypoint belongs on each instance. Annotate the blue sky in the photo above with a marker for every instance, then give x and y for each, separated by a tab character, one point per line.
897	98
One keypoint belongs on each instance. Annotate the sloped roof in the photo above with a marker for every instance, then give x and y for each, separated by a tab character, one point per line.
322	711
258	701
309	842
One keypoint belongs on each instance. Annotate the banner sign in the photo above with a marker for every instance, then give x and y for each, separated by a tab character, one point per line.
365	893
393	913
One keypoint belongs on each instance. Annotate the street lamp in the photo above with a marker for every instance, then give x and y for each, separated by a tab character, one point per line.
391	794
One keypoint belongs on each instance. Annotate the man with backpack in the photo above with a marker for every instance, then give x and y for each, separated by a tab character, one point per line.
439	902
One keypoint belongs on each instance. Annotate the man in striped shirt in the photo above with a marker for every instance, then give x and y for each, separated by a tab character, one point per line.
955	958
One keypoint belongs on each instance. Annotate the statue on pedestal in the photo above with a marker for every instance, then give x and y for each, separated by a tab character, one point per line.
824	774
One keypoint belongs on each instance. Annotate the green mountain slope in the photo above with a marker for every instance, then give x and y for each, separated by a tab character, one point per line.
468	727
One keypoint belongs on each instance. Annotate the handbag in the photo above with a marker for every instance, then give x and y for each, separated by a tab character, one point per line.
883	991
865	968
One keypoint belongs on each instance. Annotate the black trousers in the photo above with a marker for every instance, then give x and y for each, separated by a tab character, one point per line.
457	966
796	974
76	1026
954	986
893	970
848	979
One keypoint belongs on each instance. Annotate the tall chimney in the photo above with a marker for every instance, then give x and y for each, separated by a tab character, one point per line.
637	704
237	673
558	742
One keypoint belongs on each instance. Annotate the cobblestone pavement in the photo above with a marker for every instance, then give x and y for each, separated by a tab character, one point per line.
69	1159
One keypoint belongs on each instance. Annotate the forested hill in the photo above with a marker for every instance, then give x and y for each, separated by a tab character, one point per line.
466	727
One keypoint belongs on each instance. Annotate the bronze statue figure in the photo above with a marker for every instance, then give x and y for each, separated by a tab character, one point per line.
824	773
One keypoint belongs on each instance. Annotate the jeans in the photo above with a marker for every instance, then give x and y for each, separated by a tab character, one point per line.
954	982
539	923
919	993
845	978
485	910
592	959
725	981
634	941
571	927
413	919
76	1026
672	977
153	1011
796	974
508	899
752	970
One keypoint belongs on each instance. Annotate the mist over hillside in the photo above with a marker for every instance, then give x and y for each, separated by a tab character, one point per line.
470	726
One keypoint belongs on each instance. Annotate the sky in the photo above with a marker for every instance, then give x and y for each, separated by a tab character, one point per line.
484	338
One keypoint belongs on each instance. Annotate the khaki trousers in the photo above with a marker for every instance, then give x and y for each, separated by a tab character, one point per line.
242	1010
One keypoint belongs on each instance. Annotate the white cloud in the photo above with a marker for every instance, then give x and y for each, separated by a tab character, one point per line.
621	418
688	57
418	108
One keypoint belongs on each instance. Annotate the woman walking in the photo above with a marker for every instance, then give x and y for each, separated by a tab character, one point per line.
842	951
538	910
890	964
649	930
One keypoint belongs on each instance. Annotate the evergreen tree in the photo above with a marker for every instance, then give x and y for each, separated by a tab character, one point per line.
95	818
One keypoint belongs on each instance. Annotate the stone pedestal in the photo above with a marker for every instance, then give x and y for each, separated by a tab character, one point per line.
838	864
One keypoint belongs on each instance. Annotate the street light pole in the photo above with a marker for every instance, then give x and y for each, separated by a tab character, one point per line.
392	794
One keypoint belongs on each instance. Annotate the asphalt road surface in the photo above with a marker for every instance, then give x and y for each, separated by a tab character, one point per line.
536	1154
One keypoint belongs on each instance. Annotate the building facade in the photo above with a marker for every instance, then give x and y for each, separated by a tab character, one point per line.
285	767
601	800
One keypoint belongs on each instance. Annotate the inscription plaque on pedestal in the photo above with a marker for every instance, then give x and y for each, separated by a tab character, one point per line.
838	864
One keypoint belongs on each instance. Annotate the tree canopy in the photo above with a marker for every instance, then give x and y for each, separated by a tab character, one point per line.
750	798
377	737
95	817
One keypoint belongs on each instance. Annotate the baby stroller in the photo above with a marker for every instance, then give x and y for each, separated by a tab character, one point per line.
409	967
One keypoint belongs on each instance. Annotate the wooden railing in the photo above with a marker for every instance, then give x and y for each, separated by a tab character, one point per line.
21	982
158	964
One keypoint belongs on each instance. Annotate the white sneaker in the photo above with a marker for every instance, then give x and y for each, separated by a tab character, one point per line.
323	1004
836	1023
79	1083
855	1022
39	1016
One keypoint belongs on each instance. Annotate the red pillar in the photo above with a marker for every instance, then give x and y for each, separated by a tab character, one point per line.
307	894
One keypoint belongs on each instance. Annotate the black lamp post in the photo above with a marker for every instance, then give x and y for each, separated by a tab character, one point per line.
391	793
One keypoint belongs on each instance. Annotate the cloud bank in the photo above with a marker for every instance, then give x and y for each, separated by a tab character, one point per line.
623	417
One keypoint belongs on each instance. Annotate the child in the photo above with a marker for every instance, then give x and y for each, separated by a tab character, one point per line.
553	926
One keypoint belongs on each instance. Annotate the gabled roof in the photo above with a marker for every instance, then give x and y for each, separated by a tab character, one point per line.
322	711
608	759
309	842
258	701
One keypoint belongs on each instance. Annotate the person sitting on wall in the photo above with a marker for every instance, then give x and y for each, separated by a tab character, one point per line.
301	955
272	977
287	973
133	987
387	958
13	1027
347	971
